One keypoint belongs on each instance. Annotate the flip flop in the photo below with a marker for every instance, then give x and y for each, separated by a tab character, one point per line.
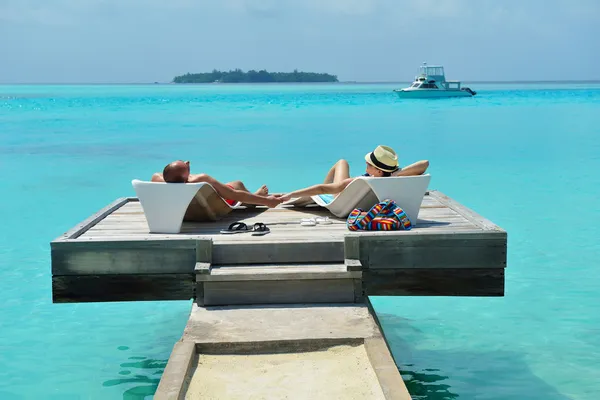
260	229
236	227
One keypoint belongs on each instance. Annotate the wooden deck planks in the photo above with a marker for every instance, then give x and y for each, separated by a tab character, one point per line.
129	220
281	224
451	244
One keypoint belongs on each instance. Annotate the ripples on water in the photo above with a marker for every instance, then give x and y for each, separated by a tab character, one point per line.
139	376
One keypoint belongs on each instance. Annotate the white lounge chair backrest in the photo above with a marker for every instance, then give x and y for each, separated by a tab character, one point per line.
365	192
406	191
165	205
358	194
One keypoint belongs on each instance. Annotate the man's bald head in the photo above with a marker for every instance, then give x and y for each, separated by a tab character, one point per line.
177	172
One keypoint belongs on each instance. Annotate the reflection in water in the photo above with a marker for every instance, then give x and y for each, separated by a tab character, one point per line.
141	383
422	385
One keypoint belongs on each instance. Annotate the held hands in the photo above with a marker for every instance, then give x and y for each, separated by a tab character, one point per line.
283	197
273	201
276	199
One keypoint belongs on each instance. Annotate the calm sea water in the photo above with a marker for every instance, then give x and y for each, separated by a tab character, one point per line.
525	156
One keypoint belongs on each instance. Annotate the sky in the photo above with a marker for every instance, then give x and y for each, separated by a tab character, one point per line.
138	41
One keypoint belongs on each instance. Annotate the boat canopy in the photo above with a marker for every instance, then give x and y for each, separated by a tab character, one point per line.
435	72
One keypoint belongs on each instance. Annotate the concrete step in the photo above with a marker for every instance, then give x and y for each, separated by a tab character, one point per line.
278	284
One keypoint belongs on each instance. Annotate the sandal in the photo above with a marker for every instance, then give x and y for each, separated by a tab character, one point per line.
236	227
260	229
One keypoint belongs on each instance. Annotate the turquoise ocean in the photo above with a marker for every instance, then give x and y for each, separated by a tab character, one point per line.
526	156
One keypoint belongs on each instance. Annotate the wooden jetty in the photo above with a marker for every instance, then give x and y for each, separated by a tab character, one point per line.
452	251
298	291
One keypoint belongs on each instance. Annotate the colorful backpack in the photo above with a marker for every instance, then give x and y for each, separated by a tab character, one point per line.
384	216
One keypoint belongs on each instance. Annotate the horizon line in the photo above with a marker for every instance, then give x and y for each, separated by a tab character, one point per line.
295	83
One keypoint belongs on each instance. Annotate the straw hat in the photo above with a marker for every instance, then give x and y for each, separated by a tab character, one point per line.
383	158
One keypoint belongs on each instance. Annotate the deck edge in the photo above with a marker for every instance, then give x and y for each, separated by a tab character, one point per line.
94	219
470	214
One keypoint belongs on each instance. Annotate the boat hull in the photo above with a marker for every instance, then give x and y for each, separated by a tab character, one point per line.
431	94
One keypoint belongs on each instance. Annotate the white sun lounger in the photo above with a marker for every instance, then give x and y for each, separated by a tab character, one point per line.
365	192
167	205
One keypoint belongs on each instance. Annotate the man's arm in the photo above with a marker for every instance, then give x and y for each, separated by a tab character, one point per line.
232	194
417	168
323	188
157	177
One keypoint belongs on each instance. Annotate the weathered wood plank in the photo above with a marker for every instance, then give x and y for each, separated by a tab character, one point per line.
277	273
432	252
115	219
282	236
257	269
204	251
270	216
428	234
137	237
120	242
101	288
278	252
353	265
351	247
202	268
275	230
137	221
99	260
469	214
279	292
434	282
359	291
80	228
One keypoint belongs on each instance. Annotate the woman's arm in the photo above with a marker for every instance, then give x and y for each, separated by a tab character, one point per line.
417	168
323	188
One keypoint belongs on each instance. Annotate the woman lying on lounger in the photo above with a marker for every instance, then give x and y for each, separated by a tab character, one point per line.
383	161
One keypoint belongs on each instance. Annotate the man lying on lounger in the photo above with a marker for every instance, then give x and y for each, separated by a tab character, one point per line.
383	161
232	192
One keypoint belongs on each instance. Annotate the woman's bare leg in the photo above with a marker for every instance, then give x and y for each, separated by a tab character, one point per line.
339	172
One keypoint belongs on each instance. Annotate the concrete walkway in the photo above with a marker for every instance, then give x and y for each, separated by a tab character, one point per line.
319	339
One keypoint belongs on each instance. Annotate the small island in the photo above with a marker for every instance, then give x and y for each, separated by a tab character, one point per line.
252	76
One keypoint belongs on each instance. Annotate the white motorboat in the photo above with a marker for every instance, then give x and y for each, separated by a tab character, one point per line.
431	83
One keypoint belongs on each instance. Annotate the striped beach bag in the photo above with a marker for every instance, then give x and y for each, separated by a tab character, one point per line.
384	216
